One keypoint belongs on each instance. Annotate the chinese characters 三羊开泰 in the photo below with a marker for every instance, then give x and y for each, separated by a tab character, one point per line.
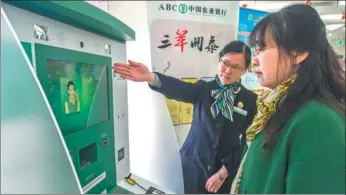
181	42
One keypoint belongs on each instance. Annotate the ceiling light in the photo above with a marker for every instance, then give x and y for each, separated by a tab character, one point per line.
332	27
264	6
331	17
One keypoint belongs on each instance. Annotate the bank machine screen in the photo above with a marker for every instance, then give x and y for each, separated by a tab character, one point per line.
78	92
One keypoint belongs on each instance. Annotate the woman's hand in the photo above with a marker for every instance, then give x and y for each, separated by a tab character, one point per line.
214	183
134	71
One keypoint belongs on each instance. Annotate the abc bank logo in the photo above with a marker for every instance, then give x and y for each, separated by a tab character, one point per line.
182	8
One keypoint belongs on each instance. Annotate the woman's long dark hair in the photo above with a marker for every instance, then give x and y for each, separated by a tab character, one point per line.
296	29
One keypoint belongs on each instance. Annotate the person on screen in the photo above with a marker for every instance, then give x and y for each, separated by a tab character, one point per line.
296	143
72	104
223	109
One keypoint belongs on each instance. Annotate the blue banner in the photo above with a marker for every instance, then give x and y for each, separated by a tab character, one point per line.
248	18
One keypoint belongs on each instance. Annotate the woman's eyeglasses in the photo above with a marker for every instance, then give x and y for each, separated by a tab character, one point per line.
232	66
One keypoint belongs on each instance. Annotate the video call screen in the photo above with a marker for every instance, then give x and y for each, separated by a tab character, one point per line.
78	93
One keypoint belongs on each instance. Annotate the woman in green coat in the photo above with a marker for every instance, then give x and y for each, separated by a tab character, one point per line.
296	143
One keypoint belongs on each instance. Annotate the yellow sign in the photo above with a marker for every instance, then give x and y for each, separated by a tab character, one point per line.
173	107
251	68
186	113
186	109
189	80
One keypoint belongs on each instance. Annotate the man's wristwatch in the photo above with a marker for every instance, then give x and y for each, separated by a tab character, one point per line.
219	176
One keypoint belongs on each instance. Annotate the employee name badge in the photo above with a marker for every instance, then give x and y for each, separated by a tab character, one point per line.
240	111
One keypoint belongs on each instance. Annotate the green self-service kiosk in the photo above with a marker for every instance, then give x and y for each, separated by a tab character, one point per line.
78	88
72	45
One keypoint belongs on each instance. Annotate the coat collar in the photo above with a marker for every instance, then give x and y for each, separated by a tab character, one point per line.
211	85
